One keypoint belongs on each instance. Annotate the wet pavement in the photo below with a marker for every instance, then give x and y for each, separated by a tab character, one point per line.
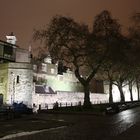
91	127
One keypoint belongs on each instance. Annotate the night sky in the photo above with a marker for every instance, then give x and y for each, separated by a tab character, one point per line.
22	16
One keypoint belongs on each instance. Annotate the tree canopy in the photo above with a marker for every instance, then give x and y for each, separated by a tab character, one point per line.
87	52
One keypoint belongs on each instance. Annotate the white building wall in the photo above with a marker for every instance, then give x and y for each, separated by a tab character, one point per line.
3	81
47	100
22	55
116	93
20	91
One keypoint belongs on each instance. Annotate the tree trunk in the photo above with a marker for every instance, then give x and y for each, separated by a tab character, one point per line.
87	103
130	90
121	93
138	91
110	92
85	84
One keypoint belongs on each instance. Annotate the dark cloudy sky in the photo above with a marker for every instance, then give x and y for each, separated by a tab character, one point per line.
22	16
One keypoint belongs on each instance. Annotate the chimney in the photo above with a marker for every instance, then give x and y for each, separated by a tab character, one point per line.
11	38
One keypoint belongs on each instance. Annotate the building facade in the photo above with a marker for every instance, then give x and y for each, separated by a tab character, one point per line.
47	73
37	83
16	73
16	83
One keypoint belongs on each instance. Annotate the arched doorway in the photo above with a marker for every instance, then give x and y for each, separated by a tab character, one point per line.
1	99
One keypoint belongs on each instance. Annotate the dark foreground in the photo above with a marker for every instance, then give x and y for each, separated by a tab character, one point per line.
124	125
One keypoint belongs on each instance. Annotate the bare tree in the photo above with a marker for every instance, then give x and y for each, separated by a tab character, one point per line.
134	34
108	31
73	44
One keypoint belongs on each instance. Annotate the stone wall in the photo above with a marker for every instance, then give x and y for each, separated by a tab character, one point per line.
3	80
66	98
18	83
116	93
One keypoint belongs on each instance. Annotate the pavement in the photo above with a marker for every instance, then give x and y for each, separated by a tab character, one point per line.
91	127
133	133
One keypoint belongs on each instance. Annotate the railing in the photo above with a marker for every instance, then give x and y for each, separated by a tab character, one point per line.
66	104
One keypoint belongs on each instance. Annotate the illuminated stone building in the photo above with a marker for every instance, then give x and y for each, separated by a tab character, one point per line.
16	83
49	74
38	83
56	83
16	74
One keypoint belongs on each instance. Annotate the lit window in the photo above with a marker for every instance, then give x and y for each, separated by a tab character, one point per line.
52	71
44	67
34	67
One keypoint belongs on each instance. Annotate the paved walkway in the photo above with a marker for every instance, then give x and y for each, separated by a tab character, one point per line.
132	133
91	127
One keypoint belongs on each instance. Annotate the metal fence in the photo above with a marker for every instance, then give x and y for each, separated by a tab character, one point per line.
66	104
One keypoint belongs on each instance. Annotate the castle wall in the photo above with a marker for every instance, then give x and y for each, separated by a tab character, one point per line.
18	85
66	98
4	81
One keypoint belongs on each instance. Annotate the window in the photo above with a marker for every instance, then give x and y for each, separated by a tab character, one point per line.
17	79
52	71
35	67
44	67
1	98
